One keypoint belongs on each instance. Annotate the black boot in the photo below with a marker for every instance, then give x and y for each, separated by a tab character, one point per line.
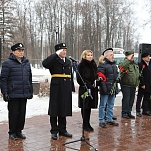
86	116
131	116
89	114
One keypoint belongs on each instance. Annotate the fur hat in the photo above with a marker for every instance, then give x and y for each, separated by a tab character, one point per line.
17	46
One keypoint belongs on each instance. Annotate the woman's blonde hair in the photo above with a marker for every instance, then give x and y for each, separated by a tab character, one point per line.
84	53
101	59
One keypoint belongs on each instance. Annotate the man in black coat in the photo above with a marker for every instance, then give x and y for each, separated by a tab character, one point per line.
16	87
60	103
144	90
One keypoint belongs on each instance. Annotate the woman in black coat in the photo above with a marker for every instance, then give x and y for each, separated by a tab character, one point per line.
87	68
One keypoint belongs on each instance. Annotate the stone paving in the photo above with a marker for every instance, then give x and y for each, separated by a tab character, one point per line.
130	135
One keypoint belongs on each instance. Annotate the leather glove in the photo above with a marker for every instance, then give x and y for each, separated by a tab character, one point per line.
30	97
6	97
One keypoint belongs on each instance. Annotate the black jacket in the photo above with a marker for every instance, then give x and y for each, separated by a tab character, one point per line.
88	72
16	78
145	76
109	69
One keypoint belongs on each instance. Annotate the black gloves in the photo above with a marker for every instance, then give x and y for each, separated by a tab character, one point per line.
5	97
30	97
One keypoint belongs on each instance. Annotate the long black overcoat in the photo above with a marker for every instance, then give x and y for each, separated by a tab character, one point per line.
88	72
60	103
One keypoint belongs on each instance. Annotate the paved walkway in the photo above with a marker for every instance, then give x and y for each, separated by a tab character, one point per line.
130	135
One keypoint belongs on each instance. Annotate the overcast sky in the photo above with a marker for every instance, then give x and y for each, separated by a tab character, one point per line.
142	17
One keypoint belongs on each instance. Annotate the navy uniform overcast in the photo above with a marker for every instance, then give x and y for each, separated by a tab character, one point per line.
60	103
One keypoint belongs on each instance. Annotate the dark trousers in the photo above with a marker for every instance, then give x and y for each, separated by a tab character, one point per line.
16	115
128	99
140	96
146	102
86	117
58	124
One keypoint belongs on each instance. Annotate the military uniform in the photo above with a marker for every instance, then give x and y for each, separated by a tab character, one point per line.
129	71
60	103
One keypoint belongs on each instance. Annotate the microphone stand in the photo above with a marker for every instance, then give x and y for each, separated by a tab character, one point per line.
83	138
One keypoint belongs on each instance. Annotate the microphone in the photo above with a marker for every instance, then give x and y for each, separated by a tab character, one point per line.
72	59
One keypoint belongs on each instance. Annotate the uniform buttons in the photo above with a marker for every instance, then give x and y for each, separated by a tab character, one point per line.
64	79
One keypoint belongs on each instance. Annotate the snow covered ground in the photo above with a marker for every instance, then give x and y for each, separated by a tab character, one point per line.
39	105
35	106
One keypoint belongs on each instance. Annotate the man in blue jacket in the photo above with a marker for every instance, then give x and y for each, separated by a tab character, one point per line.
16	87
108	73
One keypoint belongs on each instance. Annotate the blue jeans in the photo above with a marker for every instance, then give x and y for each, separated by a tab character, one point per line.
109	100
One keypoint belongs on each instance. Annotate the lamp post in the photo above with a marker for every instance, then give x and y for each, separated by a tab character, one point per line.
57	33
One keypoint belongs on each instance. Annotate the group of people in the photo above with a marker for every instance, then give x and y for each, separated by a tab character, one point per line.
16	87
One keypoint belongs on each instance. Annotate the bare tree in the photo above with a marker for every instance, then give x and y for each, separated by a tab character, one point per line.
7	24
81	24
